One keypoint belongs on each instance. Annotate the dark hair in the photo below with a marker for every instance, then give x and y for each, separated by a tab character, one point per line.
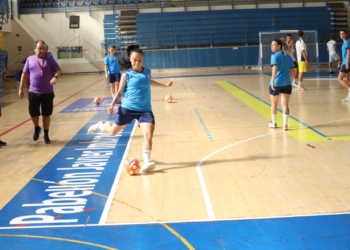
300	33
289	35
282	43
124	61
344	31
38	41
332	37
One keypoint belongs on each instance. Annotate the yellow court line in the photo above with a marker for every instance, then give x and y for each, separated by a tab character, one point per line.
59	239
182	239
300	131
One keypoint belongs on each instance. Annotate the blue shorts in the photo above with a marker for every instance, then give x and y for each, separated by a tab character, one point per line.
343	69
125	116
112	78
283	90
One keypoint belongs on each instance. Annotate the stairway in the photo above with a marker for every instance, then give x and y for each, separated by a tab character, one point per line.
340	14
127	28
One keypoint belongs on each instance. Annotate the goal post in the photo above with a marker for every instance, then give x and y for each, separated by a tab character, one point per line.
266	37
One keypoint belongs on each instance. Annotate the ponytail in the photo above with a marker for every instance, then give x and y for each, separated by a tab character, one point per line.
124	61
283	44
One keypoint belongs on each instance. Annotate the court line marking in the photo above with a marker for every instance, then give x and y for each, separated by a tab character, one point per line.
303	133
205	193
155	221
210	210
116	180
203	125
58	239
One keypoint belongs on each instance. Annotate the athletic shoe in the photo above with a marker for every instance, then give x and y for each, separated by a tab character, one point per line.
294	85
148	166
94	129
36	134
331	71
301	88
2	143
346	99
46	139
272	125
285	127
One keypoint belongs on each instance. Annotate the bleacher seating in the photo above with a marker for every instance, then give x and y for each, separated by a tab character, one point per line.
230	27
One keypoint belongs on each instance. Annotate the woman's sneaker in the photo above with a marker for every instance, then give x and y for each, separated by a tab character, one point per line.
346	99
272	125
94	129
148	166
285	127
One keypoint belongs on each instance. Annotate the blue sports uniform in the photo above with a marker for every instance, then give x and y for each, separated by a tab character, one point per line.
344	49
112	65
137	102
137	91
284	63
346	45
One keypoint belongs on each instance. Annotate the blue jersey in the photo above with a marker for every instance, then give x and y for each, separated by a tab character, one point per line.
112	65
284	63
346	45
137	91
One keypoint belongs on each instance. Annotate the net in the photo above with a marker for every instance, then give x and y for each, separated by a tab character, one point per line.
266	37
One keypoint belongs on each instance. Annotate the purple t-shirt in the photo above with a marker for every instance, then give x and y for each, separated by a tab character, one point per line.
40	77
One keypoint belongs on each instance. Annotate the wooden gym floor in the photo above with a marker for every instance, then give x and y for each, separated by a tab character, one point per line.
224	179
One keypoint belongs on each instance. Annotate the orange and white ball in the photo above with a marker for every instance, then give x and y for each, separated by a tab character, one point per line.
132	166
97	100
169	98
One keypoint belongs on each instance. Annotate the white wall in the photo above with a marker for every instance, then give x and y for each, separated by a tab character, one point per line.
54	30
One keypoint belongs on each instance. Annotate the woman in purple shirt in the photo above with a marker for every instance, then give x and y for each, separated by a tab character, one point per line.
43	72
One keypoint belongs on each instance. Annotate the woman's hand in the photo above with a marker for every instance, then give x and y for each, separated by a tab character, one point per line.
273	87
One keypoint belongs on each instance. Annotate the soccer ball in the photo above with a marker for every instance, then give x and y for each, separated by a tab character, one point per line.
97	100
132	166
169	98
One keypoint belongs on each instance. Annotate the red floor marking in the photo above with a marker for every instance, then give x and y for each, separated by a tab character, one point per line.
21	225
88	209
20	124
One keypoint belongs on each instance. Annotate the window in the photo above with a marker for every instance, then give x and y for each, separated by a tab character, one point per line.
70	52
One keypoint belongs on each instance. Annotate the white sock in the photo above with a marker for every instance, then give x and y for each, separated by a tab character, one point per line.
113	95
349	92
285	119
273	118
293	81
146	156
299	83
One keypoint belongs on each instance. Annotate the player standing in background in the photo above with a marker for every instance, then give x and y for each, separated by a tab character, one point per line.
280	83
345	70
302	58
112	69
294	74
333	54
137	82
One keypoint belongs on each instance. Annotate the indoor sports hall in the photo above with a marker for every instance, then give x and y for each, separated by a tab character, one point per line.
223	179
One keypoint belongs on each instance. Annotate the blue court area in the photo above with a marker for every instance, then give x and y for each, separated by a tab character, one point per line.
65	206
309	232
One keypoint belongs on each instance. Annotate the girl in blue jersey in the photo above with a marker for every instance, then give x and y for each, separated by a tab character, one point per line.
281	63
112	69
136	84
345	68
